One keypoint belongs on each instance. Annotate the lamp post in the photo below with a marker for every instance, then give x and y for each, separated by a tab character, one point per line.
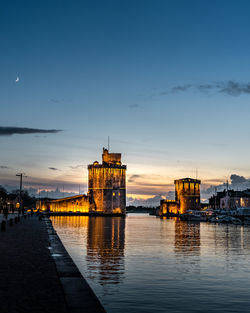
21	175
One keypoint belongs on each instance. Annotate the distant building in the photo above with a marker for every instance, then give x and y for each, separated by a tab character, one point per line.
230	199
187	197
106	190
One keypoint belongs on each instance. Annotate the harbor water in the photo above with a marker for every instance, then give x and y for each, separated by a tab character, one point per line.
146	264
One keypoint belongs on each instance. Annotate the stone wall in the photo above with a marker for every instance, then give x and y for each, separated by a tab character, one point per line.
169	207
106	190
187	193
107	187
187	197
73	204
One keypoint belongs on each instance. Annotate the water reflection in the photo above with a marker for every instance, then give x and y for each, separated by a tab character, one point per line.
187	238
105	249
66	222
228	238
104	239
168	265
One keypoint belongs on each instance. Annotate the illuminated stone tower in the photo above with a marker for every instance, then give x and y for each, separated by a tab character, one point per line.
107	184
187	194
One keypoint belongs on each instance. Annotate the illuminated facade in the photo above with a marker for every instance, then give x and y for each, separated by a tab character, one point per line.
187	197
230	199
169	207
106	190
107	184
73	204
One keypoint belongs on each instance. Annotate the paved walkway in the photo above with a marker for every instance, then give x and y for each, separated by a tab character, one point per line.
10	215
28	277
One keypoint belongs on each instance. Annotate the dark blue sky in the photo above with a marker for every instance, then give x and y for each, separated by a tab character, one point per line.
167	80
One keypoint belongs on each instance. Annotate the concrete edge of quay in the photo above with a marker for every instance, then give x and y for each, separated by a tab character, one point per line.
78	294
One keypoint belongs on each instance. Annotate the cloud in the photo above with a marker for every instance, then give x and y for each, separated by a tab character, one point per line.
12	182
206	87
132	178
230	88
236	179
181	88
8	131
4	166
134	106
237	182
213	181
143	184
235	89
54	100
150	202
53	169
76	166
54	193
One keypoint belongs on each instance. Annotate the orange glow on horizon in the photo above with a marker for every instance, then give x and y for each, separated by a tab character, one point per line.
139	196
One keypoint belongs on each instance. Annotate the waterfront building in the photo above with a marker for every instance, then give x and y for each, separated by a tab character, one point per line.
79	203
107	184
187	197
106	190
230	199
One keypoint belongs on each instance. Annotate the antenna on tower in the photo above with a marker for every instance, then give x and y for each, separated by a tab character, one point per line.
108	143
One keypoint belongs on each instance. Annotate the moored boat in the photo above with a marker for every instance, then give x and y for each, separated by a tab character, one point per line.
195	215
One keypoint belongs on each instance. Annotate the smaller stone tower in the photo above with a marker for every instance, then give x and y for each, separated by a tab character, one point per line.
187	194
107	184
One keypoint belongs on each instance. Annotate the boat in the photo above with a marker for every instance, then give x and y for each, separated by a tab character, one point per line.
195	215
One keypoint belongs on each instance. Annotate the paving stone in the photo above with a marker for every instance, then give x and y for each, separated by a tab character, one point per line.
37	274
28	277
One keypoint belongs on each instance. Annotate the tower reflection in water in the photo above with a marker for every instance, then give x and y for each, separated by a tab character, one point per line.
187	238
105	249
103	238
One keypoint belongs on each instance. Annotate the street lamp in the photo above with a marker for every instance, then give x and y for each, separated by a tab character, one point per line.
21	175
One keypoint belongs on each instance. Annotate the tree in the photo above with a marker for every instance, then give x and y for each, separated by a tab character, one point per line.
3	193
28	201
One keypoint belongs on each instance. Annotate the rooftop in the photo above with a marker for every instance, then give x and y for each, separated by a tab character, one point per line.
191	180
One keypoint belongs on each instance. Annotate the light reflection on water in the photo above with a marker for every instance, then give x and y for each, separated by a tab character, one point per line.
145	264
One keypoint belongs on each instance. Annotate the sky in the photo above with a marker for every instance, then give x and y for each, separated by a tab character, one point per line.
168	81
